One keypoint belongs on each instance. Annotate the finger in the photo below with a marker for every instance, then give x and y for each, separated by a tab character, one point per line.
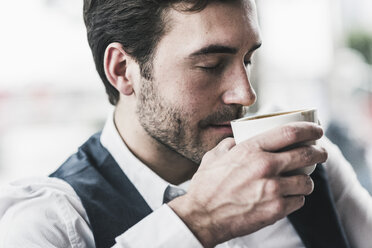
225	145
293	203
287	135
278	205
279	187
299	157
296	185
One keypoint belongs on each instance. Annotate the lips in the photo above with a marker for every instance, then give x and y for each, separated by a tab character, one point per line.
223	128
222	124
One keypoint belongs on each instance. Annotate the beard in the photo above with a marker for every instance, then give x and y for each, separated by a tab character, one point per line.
174	127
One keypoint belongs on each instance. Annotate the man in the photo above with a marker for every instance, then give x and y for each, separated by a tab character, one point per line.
178	73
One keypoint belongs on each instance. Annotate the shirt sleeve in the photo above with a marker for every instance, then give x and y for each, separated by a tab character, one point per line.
42	212
46	212
163	228
353	202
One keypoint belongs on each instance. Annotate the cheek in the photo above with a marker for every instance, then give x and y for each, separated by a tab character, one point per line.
193	91
195	101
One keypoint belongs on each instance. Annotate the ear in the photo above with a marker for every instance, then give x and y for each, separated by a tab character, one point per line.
116	63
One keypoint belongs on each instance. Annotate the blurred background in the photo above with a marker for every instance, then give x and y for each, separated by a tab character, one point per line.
315	53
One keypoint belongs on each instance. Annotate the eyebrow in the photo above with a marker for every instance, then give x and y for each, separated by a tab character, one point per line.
212	49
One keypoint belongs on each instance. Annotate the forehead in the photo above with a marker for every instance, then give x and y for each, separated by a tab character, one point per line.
233	23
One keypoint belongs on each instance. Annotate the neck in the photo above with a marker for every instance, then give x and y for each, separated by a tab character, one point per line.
168	164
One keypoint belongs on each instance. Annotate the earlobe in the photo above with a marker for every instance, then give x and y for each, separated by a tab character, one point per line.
116	68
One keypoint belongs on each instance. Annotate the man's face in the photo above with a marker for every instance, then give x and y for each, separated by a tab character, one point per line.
200	76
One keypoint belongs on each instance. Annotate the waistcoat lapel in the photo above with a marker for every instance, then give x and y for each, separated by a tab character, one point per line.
111	201
317	222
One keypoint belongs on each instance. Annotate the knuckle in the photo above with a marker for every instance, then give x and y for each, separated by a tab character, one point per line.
225	143
221	148
241	155
265	167
291	156
245	153
208	155
290	132
272	187
308	154
306	184
278	207
245	148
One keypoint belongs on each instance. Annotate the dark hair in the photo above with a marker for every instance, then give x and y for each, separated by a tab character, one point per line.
137	25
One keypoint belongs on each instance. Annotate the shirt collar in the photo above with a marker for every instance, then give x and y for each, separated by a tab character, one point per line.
147	182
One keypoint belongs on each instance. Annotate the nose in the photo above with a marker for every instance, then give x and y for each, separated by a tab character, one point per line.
239	90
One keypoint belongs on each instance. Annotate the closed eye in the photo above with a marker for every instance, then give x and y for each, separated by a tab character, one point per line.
212	68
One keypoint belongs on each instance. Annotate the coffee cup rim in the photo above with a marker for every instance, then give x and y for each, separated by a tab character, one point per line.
274	114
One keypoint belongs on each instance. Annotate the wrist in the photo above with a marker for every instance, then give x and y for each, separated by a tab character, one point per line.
195	218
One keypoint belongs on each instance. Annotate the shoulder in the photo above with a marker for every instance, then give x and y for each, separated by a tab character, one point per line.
41	211
31	191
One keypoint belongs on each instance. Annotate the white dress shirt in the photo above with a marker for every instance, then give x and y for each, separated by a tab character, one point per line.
46	212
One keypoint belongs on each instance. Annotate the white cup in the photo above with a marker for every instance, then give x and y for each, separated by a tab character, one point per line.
248	127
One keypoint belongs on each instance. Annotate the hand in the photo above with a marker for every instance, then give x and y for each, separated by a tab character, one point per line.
239	189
